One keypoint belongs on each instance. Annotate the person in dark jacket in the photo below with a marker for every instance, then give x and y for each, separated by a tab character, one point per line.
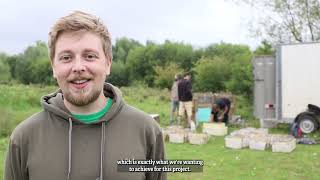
185	99
220	110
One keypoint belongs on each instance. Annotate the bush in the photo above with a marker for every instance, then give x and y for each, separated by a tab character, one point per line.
119	75
211	74
165	75
33	66
40	71
5	76
241	80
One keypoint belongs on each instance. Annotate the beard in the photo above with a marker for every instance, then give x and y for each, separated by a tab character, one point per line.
82	97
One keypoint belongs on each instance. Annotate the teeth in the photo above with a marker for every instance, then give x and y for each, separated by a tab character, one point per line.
80	81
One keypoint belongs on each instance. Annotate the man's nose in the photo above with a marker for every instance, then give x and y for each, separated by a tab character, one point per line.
78	65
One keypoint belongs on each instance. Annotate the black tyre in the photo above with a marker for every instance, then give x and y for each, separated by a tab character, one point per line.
307	123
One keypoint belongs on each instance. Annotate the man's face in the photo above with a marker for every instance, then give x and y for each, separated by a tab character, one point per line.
80	66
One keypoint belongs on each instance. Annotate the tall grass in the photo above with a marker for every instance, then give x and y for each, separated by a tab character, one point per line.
152	101
3	148
17	102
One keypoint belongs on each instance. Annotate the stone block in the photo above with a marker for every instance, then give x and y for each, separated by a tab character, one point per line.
284	144
177	137
215	129
258	142
198	139
234	142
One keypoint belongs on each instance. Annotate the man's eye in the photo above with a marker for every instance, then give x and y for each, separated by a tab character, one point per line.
91	56
65	58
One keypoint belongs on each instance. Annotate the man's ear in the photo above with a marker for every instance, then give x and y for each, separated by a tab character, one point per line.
53	69
54	74
109	60
108	65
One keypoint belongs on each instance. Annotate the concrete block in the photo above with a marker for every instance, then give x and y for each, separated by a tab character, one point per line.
198	139
285	145
215	129
261	131
258	142
243	131
234	142
273	138
214	125
177	137
246	140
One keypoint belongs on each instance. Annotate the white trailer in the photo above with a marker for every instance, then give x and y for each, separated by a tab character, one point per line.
287	86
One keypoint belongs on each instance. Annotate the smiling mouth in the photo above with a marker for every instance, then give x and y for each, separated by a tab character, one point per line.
80	81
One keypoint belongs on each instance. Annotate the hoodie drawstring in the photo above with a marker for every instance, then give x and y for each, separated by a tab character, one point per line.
102	145
69	149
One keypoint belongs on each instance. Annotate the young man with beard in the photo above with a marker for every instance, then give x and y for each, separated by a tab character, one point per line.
85	127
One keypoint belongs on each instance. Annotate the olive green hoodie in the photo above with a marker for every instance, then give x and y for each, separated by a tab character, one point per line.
52	145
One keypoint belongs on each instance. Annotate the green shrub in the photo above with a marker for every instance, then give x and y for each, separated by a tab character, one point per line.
241	80
5	76
119	75
211	74
165	75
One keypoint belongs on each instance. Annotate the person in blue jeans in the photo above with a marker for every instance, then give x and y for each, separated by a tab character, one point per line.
220	110
174	98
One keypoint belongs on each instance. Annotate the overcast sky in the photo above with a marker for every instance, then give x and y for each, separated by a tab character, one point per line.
198	22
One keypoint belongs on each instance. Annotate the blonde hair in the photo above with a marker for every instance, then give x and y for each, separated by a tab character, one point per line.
80	21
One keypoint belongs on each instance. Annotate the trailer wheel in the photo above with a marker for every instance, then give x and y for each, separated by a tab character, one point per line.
307	123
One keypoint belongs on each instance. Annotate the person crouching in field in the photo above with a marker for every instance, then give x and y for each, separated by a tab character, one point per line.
220	110
185	99
85	127
174	98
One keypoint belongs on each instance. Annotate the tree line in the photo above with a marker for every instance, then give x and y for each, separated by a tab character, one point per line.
217	67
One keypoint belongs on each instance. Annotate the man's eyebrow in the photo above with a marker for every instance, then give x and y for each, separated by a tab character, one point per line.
65	51
91	50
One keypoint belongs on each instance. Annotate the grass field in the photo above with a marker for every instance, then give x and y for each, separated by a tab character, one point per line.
18	102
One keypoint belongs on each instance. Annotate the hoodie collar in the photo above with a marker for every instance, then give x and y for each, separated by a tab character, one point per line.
54	103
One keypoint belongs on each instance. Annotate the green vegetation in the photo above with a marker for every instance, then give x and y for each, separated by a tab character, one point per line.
3	148
218	67
20	101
